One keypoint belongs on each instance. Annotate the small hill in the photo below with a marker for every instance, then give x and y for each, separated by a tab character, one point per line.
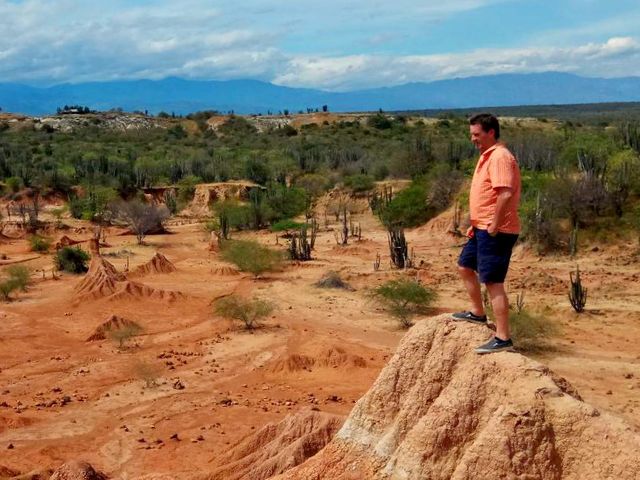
104	281
158	264
277	447
112	323
439	411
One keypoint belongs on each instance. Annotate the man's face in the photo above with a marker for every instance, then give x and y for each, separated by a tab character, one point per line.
481	139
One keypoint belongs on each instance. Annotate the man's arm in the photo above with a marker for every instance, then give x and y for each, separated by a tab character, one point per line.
504	195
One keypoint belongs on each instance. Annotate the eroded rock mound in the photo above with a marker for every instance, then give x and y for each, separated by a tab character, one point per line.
439	411
104	281
65	241
136	291
206	194
77	470
100	281
111	324
332	356
277	447
158	264
225	270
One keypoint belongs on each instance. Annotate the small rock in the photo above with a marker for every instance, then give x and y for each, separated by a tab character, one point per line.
178	385
10	446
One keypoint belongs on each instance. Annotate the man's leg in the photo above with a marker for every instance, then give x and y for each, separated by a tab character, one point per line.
500	305
471	283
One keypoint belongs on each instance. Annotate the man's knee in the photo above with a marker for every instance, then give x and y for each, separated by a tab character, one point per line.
494	287
466	271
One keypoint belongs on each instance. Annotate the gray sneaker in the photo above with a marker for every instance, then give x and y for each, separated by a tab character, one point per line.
470	317
495	345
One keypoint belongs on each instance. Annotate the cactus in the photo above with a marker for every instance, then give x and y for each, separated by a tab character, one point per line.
398	249
299	246
573	241
342	237
519	303
577	293
314	232
379	200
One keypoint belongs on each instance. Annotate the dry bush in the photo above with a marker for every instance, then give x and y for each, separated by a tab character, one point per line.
250	256
141	217
403	298
248	311
532	332
120	336
148	372
332	280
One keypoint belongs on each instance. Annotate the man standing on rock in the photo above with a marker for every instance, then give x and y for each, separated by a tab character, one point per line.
493	208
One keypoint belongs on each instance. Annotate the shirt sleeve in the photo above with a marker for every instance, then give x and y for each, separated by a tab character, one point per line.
502	169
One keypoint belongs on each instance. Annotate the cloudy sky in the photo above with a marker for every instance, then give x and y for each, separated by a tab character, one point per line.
327	44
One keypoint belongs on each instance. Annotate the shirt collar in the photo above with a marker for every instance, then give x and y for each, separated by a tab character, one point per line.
491	149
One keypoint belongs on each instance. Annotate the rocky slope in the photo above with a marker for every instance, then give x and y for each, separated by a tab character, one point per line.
439	411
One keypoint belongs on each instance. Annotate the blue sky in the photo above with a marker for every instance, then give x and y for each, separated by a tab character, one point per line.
330	44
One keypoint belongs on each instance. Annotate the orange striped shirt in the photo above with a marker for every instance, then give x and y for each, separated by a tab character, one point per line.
496	168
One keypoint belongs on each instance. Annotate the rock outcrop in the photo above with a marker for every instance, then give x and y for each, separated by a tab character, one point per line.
77	470
277	447
438	411
206	194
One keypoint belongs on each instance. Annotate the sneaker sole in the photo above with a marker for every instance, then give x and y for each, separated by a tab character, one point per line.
477	322
495	350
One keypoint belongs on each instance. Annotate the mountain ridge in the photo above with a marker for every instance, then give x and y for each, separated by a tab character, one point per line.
246	96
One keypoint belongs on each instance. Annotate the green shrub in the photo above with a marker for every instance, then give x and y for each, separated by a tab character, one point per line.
403	298
20	275
379	121
248	311
286	224
211	225
39	244
285	202
409	208
7	286
359	183
71	259
14	184
250	256
531	332
187	189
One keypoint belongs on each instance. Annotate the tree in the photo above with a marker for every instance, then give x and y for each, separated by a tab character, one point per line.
141	217
622	178
70	259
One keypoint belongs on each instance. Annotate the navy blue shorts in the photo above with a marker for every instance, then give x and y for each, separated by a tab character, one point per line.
487	255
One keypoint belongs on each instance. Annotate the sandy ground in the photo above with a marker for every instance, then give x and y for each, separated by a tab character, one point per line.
210	382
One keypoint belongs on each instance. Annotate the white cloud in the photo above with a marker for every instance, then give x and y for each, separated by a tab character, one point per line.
76	40
619	56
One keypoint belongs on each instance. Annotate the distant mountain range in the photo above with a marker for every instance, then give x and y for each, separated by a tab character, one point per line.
251	96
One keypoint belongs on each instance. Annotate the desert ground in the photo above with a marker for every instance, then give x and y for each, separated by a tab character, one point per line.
192	385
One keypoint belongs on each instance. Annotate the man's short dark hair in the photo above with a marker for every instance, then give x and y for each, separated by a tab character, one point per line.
487	121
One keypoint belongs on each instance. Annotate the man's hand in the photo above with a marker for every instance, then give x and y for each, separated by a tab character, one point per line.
470	232
491	230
